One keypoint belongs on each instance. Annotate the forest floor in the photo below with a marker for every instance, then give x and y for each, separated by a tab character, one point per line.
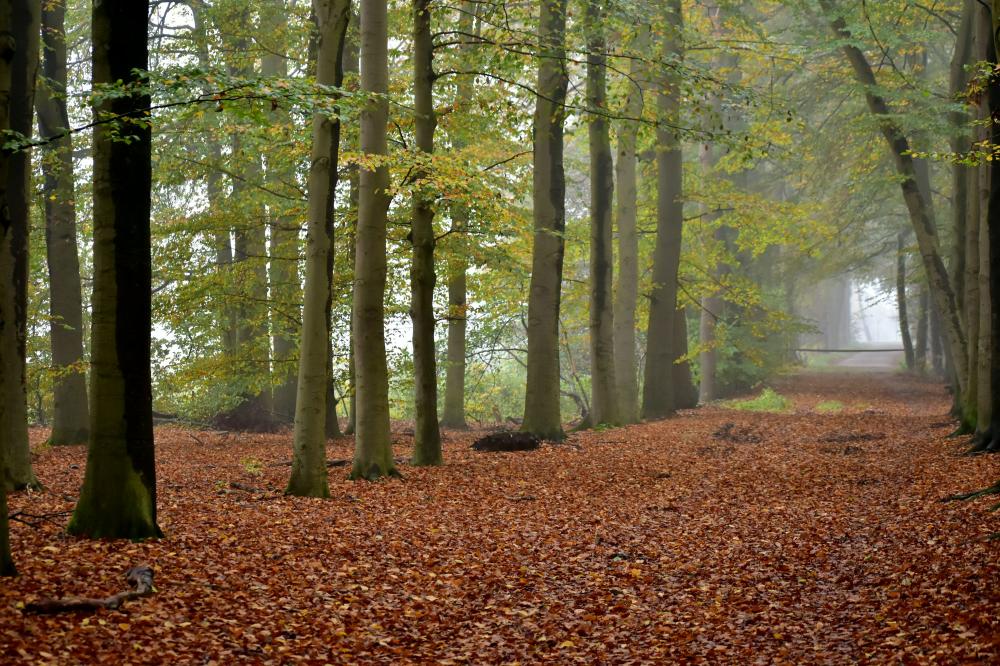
722	536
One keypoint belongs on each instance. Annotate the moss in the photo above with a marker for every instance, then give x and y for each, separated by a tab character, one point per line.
769	400
114	503
830	407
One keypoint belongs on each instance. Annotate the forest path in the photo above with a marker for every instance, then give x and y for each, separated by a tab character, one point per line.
884	361
717	536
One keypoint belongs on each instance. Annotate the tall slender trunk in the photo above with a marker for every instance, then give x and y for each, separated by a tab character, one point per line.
627	292
308	478
603	386
921	216
118	498
920	353
658	388
984	401
71	414
8	331
454	388
427	434
373	443
25	24
685	392
904	320
541	400
283	265
352	65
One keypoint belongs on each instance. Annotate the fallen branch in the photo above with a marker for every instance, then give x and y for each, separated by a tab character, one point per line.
140	579
35	520
975	494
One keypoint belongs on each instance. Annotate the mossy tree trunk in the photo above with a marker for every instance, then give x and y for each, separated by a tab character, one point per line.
70	412
8	331
309	478
25	24
658	394
373	442
427	434
541	402
118	498
604	407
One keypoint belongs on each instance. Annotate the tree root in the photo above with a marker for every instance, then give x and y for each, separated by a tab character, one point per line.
140	579
975	494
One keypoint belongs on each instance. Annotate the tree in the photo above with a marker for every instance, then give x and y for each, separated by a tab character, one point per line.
604	395
373	444
658	394
308	478
627	292
921	215
25	21
454	388
118	498
8	331
541	401
71	413
427	434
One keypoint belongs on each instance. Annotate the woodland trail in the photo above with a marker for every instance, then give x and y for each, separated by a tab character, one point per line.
720	536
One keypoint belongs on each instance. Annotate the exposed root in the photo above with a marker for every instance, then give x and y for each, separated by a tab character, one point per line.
975	494
140	579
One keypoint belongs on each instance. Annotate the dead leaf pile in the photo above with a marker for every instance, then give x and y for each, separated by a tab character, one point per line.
655	543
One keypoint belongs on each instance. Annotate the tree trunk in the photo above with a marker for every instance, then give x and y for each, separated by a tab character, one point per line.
920	353
984	402
921	216
541	400
308	478
904	320
454	388
658	395
284	252
8	331
118	498
71	414
352	65
685	392
603	385
25	22
627	293
373	443
427	434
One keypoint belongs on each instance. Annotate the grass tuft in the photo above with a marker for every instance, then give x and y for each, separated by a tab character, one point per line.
769	400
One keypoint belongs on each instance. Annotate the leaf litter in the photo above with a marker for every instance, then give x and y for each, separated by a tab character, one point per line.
621	546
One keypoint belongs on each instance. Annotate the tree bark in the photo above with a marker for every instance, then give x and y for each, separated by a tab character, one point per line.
627	293
283	275
454	388
25	23
904	320
373	444
352	65
920	353
308	478
71	413
685	392
8	331
427	434
118	498
603	385
541	402
658	395
921	216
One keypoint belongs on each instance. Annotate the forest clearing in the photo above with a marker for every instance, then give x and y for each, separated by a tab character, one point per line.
812	536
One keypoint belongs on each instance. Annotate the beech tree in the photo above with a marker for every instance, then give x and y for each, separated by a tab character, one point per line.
118	498
308	477
541	397
373	442
659	390
8	331
70	411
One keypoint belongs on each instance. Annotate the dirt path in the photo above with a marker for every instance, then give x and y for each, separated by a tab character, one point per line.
802	538
879	361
